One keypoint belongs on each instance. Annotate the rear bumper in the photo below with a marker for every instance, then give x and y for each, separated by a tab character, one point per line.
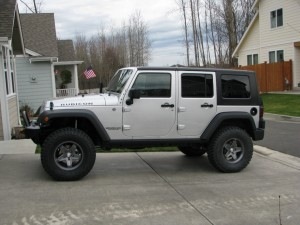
260	132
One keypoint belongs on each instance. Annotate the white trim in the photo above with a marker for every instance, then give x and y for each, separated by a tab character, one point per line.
245	34
53	80
20	28
76	78
3	102
67	63
43	59
254	5
32	53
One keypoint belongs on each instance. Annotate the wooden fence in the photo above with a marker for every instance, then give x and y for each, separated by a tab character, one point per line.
273	76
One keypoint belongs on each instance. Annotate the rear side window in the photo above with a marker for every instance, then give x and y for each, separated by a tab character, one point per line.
153	85
197	86
234	86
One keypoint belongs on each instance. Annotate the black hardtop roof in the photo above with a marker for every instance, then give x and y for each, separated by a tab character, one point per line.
196	69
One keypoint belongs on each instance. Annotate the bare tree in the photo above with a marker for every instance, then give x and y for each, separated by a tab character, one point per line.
34	7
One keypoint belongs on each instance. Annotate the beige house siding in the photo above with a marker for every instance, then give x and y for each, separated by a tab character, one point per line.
1	126
13	111
274	39
250	44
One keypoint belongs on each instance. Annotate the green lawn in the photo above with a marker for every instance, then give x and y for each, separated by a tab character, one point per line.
283	104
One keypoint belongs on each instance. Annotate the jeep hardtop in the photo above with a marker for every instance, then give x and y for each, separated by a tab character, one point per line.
213	111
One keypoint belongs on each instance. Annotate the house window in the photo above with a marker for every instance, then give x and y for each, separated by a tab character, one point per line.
280	57
276	18
276	56
9	75
255	59
272	57
252	59
249	60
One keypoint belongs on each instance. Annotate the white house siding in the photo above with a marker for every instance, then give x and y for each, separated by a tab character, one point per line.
250	44
33	92
13	111
1	126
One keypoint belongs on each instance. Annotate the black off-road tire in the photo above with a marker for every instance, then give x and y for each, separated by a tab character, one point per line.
230	150
192	151
68	154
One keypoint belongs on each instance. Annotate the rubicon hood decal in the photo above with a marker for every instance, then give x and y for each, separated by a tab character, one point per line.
83	101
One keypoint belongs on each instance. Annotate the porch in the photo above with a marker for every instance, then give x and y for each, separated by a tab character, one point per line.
66	79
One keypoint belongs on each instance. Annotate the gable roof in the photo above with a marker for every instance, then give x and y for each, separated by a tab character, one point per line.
39	33
65	50
245	34
7	16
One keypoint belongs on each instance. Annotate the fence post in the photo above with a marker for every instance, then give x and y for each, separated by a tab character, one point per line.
266	76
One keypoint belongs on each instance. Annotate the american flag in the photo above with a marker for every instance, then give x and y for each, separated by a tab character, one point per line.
89	73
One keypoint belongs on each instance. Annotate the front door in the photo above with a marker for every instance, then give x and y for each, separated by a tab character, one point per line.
197	102
153	115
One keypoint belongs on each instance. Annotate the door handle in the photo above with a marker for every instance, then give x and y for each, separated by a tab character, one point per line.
167	105
206	105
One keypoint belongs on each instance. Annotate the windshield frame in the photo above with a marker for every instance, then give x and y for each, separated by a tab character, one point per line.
119	80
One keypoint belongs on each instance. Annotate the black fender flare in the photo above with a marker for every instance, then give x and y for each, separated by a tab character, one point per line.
76	113
219	118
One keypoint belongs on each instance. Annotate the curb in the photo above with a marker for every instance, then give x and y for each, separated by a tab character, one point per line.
277	117
288	160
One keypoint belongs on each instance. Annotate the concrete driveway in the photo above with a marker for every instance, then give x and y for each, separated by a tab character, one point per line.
152	188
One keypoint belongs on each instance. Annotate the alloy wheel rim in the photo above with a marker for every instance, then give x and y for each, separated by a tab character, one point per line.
233	150
68	155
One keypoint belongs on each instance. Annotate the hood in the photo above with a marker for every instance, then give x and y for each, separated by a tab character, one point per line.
82	101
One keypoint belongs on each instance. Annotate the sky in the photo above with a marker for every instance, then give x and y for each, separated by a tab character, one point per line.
90	16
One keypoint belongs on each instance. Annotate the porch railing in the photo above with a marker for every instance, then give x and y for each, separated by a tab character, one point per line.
66	92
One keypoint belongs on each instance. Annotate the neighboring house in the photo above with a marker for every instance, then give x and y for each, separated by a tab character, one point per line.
11	43
272	36
46	57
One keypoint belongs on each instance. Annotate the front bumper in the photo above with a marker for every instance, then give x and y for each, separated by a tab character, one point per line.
32	130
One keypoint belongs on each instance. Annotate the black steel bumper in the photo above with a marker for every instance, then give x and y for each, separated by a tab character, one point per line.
32	130
260	132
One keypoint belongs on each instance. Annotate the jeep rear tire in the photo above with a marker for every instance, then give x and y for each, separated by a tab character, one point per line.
192	150
68	154
230	150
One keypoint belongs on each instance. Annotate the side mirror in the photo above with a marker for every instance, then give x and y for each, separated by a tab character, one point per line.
133	94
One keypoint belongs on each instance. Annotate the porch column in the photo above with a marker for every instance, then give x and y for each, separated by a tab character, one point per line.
76	79
3	101
53	81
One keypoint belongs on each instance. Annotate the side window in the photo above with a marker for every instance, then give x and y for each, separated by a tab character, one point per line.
197	86
234	86
151	85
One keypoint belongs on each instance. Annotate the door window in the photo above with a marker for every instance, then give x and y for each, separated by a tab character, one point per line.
153	85
196	86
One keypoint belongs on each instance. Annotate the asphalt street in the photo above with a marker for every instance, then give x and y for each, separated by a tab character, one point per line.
282	136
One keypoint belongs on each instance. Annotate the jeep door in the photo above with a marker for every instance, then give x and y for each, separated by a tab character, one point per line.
197	102
153	113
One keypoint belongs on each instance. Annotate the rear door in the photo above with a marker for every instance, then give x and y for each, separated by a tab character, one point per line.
196	103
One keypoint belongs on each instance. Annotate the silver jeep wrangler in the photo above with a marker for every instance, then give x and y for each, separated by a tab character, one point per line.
213	111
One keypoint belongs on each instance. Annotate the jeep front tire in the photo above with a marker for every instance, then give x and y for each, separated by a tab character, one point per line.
230	150
68	154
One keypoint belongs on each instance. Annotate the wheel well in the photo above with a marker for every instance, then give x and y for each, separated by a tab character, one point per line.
244	124
76	122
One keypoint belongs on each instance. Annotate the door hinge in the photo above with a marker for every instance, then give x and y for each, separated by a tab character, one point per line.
181	109
126	109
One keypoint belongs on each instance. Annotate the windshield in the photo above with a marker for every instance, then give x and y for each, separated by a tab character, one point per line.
119	80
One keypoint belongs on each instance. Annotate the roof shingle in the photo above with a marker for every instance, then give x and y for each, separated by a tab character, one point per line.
65	50
7	14
39	33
